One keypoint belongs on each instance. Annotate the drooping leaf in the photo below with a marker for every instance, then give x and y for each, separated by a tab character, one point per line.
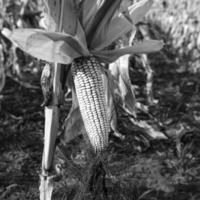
121	24
102	18
146	46
48	46
124	84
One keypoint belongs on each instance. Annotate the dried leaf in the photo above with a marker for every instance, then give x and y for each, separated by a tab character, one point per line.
48	46
147	46
151	131
125	87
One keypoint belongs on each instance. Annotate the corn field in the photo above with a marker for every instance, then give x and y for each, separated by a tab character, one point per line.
99	99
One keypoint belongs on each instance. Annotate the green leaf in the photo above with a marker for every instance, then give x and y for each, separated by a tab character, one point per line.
48	46
121	24
146	46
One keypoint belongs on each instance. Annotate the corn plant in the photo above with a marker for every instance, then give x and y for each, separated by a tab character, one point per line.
78	34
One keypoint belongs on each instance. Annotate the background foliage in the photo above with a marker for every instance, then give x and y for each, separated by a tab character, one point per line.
141	167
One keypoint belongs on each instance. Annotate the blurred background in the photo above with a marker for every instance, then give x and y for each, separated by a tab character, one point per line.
156	168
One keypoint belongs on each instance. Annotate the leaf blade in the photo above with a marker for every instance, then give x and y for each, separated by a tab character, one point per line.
121	24
88	10
115	31
48	46
147	46
61	15
102	18
139	10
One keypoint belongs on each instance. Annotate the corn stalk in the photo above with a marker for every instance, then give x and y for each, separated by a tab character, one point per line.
51	115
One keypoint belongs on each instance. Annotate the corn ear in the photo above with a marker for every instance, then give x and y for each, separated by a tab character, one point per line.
90	93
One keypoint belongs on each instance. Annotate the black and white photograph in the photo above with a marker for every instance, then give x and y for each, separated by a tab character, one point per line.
99	100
